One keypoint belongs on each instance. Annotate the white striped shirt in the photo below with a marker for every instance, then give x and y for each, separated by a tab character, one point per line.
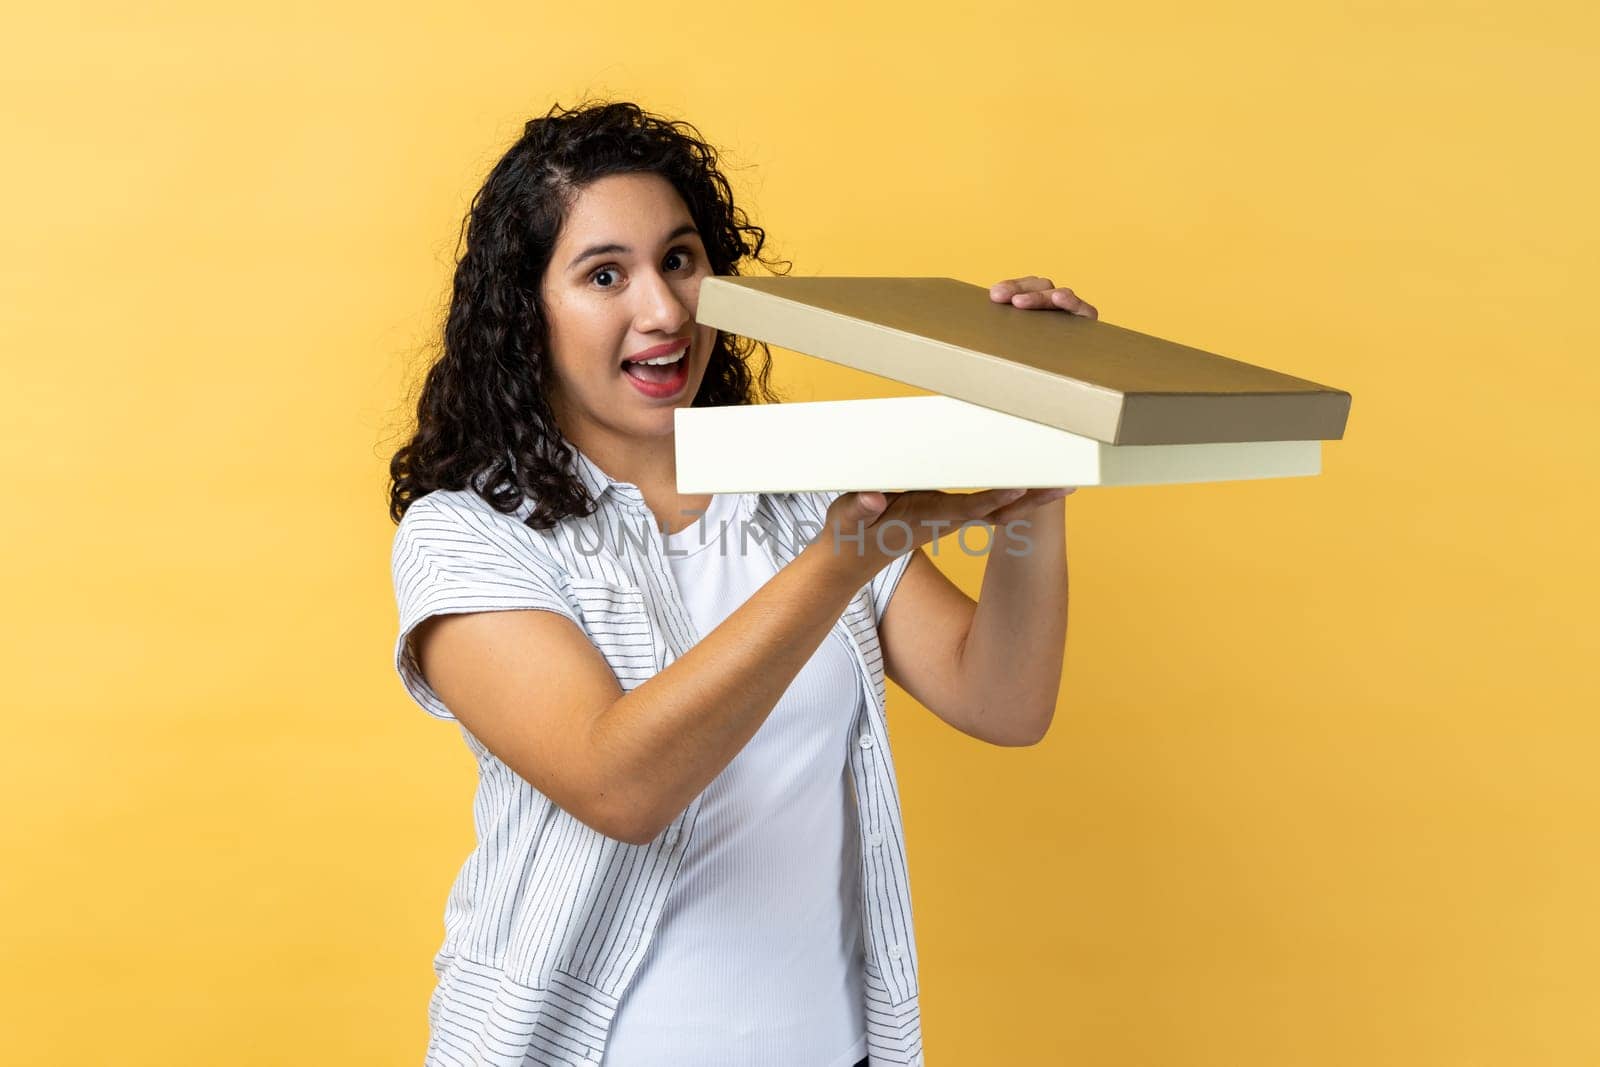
548	919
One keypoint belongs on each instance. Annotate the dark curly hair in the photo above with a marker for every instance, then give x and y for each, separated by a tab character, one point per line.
483	409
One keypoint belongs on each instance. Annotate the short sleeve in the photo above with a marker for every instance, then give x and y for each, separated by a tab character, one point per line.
450	559
885	581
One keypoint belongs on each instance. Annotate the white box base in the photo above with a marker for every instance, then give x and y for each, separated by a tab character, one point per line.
937	442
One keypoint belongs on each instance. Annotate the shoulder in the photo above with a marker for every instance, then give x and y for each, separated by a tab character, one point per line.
440	519
459	524
454	505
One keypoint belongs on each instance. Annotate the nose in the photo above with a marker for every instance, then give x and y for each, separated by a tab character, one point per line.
660	310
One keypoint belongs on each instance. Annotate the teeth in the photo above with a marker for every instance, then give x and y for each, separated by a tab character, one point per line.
662	361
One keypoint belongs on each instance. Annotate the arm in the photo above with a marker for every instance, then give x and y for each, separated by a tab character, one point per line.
532	687
991	669
537	693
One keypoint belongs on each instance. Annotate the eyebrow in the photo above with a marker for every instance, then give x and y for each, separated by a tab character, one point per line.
600	250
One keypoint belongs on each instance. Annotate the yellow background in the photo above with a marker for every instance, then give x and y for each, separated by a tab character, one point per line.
1322	786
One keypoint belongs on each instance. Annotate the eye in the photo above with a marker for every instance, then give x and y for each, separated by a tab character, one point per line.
683	252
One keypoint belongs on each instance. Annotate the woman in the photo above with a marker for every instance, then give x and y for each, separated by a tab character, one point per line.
690	848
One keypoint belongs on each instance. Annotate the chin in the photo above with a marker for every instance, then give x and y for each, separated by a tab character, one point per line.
660	420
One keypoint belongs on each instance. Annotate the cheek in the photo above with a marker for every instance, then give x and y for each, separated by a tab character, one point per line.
574	359
592	344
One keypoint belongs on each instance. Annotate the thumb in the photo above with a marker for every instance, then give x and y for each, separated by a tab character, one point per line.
870	503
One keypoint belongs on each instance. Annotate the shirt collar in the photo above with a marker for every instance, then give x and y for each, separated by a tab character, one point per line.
599	483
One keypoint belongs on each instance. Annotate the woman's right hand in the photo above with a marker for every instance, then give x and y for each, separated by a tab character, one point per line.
866	531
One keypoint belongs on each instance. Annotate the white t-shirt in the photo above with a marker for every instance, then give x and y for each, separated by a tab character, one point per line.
758	954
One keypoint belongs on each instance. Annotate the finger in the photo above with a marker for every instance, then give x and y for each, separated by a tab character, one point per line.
979	504
1067	300
1034	498
1004	291
1045	298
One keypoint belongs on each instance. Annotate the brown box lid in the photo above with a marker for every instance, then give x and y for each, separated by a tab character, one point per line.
1077	374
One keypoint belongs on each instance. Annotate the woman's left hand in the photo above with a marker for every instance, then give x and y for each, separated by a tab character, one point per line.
1036	292
1040	293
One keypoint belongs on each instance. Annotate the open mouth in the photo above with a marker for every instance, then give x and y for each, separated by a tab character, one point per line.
659	371
660	379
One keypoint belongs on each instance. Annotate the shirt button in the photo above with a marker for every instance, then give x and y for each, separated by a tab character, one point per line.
895	952
875	839
866	740
672	836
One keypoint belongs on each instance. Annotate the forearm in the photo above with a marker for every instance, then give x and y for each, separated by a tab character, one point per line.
1010	662
664	741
